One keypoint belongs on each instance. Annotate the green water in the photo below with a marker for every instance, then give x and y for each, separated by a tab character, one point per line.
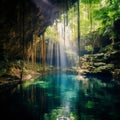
62	97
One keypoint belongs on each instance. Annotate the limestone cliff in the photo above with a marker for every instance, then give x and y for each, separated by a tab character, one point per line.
104	63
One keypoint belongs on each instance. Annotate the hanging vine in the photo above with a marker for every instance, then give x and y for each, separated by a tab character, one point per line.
78	23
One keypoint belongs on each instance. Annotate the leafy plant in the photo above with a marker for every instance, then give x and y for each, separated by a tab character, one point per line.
89	48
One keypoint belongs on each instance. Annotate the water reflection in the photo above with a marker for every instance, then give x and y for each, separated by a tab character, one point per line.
66	97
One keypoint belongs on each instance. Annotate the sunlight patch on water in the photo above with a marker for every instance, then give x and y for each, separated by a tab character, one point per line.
59	114
40	83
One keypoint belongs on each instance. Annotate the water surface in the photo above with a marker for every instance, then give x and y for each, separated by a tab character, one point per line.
62	97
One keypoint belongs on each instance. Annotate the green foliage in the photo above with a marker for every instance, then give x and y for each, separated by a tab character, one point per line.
90	104
2	72
107	48
107	14
52	33
95	16
90	1
57	113
89	48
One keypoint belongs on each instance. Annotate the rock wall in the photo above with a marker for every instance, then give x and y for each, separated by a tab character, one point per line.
19	21
104	63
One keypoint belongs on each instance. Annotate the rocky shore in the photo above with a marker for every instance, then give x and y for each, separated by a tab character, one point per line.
104	63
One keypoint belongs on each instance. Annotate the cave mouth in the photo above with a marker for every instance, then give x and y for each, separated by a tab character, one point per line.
23	37
66	55
21	20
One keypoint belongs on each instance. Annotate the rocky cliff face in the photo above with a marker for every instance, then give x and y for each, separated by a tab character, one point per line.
104	63
20	20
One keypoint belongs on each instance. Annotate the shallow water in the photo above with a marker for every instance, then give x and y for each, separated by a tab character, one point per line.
62	97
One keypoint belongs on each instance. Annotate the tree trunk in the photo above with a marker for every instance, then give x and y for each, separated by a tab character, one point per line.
32	57
43	53
78	22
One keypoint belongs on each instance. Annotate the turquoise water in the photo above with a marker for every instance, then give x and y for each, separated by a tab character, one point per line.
63	97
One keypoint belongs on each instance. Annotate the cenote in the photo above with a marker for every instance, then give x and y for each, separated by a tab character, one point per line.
74	48
62	97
